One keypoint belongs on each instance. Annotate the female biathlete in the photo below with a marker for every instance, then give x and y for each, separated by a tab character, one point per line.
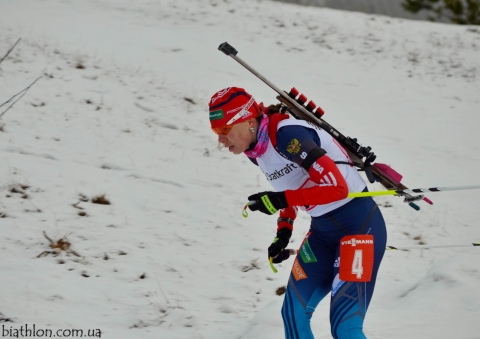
309	171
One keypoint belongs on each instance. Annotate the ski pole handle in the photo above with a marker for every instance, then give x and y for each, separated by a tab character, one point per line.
253	205
291	251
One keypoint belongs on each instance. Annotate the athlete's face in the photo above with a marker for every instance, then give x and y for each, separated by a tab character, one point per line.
239	138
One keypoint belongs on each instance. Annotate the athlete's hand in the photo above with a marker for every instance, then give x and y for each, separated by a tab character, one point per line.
276	250
268	202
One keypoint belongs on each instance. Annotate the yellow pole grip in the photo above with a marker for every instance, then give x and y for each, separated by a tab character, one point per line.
371	194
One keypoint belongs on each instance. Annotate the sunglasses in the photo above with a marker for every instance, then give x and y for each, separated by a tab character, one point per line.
224	130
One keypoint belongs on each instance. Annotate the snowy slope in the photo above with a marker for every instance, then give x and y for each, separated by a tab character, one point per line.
120	111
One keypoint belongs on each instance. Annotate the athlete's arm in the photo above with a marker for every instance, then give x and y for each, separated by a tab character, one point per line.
303	146
287	217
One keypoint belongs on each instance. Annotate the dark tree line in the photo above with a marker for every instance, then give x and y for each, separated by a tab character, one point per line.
462	12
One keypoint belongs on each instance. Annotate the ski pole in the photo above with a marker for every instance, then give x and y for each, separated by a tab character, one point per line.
395	248
411	191
414	247
393	192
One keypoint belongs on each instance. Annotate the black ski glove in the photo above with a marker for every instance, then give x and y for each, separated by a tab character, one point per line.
268	202
277	248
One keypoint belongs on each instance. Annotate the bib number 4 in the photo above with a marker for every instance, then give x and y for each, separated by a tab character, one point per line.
356	258
357	267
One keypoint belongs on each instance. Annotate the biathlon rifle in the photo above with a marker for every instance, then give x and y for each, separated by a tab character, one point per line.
300	107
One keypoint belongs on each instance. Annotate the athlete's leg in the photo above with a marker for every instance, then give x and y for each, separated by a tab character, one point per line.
350	300
310	281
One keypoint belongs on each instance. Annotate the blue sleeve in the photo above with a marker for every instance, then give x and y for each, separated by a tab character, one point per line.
294	142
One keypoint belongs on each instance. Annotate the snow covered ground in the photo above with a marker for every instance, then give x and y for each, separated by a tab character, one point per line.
121	112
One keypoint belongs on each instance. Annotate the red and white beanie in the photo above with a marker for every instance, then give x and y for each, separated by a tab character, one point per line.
232	105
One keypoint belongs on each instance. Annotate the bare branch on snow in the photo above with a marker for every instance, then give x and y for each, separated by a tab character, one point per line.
11	49
21	93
